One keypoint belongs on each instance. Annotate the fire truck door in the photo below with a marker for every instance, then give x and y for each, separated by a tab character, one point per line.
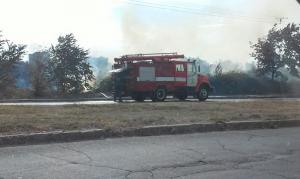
147	74
180	73
191	75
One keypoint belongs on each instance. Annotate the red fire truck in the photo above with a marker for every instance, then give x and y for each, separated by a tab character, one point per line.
158	75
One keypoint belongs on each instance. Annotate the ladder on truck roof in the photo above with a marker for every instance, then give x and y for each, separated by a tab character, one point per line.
149	56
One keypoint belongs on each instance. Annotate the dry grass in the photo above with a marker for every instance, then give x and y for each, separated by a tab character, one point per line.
25	119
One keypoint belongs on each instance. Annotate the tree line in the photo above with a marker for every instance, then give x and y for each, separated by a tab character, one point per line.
65	71
64	68
277	59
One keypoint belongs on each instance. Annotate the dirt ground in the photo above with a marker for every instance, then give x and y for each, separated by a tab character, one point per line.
27	119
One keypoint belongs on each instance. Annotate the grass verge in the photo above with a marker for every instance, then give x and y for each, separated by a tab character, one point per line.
28	119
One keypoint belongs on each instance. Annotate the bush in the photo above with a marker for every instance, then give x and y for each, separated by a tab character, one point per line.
239	83
15	93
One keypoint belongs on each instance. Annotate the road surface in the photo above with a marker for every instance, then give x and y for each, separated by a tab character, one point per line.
103	102
259	154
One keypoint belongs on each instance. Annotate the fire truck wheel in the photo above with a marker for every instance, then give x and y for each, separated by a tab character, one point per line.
203	94
160	94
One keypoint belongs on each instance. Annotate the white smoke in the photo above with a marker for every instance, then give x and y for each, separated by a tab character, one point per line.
211	38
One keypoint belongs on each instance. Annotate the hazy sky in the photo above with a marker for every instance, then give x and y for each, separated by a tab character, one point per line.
210	29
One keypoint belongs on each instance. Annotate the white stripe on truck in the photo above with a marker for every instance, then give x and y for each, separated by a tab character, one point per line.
181	79
168	79
164	79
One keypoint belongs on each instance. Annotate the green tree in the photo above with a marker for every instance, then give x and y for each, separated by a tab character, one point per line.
69	67
10	54
265	53
290	47
280	49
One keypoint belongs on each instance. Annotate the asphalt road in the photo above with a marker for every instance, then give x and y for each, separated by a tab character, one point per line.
259	154
103	102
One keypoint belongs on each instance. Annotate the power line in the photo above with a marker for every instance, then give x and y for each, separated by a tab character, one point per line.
213	8
196	11
191	10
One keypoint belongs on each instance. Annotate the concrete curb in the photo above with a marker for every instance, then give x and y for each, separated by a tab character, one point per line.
42	138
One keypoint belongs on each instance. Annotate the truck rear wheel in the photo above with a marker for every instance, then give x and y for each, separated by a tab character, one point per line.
203	94
160	94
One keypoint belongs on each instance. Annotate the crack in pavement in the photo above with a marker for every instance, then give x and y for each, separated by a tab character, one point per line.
77	151
273	173
136	172
252	159
194	165
232	164
195	151
202	154
27	170
201	172
173	166
229	165
37	168
90	160
228	149
280	175
232	169
83	163
252	136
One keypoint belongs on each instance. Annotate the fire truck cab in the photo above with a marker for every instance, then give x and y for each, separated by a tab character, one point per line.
158	75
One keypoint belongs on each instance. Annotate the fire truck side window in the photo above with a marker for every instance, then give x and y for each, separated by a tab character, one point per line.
179	68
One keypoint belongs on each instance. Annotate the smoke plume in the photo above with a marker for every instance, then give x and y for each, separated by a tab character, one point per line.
223	36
